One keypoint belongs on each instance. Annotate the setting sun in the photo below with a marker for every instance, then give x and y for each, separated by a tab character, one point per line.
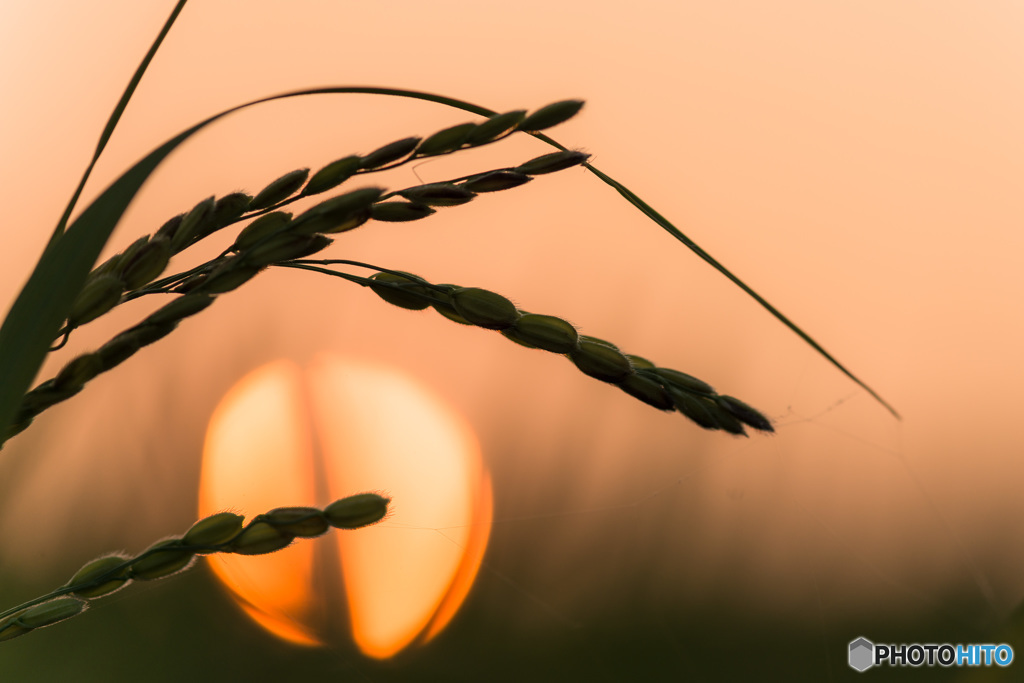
286	435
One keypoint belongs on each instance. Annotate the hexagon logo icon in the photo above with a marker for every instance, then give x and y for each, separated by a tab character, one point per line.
862	654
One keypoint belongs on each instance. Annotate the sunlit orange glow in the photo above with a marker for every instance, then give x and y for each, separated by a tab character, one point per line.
470	564
285	436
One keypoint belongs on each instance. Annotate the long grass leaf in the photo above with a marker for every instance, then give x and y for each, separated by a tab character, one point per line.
47	297
648	211
115	117
665	224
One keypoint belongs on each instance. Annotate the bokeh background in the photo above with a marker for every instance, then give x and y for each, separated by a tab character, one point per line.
858	164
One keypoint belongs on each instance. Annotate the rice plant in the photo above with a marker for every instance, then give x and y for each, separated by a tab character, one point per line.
68	290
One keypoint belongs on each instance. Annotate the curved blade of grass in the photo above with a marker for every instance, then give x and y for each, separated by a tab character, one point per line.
665	224
648	211
116	116
44	302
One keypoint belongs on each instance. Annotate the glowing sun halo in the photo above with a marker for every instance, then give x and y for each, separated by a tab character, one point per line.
284	436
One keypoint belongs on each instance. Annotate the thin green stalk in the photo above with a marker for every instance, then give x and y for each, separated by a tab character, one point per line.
115	117
671	229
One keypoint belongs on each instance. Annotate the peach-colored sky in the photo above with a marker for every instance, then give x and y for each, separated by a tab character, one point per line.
856	163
